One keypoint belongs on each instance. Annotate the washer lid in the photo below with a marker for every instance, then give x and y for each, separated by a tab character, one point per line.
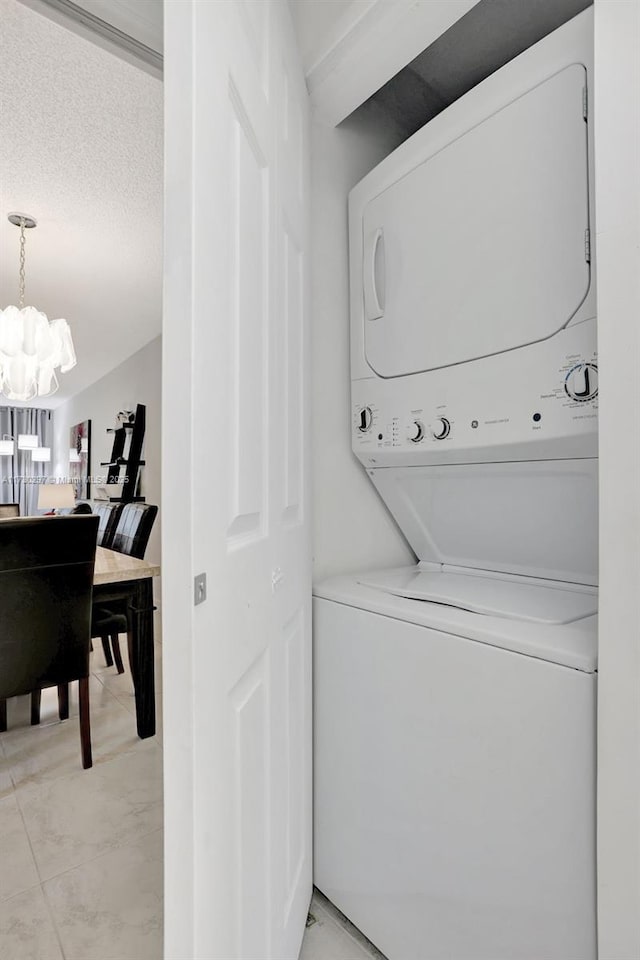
481	248
491	596
573	645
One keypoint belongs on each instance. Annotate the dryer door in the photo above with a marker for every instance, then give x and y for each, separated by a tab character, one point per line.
481	248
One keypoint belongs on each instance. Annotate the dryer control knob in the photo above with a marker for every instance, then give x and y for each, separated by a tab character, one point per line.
440	428
365	419
416	431
581	383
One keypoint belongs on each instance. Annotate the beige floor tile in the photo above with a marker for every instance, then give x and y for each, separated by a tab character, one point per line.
18	872
76	818
111	908
326	940
6	783
52	749
26	928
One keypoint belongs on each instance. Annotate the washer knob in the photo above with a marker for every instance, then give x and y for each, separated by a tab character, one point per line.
440	428
417	431
366	419
581	383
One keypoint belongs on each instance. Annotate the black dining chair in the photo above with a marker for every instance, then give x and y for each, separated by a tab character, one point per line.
46	584
109	514
133	529
9	510
131	536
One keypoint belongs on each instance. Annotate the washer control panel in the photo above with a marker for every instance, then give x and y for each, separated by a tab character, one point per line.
539	401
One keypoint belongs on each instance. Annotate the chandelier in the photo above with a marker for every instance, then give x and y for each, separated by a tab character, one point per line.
32	347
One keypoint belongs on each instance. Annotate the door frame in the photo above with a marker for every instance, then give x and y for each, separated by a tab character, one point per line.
617	138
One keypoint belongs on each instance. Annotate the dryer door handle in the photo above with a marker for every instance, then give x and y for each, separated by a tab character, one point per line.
374	275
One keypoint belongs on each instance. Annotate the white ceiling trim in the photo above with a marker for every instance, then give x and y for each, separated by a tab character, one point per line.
385	38
121	28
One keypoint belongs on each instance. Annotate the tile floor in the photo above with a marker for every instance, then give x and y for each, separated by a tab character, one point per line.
81	850
332	937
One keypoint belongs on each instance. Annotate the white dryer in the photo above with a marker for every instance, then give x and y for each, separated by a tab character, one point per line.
455	701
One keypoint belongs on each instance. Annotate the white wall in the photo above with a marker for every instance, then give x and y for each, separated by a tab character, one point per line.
320	24
617	144
352	527
137	380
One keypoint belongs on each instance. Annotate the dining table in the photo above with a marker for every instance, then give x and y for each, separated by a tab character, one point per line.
119	577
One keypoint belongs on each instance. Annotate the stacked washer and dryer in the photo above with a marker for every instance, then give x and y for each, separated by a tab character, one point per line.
455	701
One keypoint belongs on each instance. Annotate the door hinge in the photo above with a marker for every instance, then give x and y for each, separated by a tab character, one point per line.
587	245
585	103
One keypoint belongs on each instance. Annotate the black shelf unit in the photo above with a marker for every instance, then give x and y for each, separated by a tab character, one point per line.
126	453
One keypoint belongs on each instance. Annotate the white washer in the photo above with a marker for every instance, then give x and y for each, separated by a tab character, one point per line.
455	765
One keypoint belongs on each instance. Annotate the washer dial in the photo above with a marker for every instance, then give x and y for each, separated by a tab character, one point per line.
416	431
365	419
440	428
581	383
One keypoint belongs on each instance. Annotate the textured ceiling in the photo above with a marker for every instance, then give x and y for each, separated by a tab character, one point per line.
81	151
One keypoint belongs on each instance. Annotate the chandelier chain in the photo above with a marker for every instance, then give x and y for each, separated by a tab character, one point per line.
22	258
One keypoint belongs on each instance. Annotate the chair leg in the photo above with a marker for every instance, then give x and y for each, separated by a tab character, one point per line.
107	651
63	701
117	656
85	722
36	697
3	716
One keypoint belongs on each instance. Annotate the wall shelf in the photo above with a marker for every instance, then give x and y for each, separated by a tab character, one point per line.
127	448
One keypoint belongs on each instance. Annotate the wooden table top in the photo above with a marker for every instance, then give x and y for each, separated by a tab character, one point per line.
113	567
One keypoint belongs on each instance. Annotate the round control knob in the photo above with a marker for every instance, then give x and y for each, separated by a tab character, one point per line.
416	431
581	383
365	419
440	428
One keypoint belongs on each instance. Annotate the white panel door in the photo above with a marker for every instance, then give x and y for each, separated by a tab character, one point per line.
237	676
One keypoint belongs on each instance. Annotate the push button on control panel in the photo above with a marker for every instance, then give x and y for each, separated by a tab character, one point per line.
581	383
440	428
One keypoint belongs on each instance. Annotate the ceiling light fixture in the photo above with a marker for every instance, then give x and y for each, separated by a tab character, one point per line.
7	445
32	347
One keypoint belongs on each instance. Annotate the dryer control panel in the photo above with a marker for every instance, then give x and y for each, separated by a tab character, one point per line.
533	403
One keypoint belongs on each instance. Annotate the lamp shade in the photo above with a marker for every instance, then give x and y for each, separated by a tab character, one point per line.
52	496
7	445
74	456
41	454
27	441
